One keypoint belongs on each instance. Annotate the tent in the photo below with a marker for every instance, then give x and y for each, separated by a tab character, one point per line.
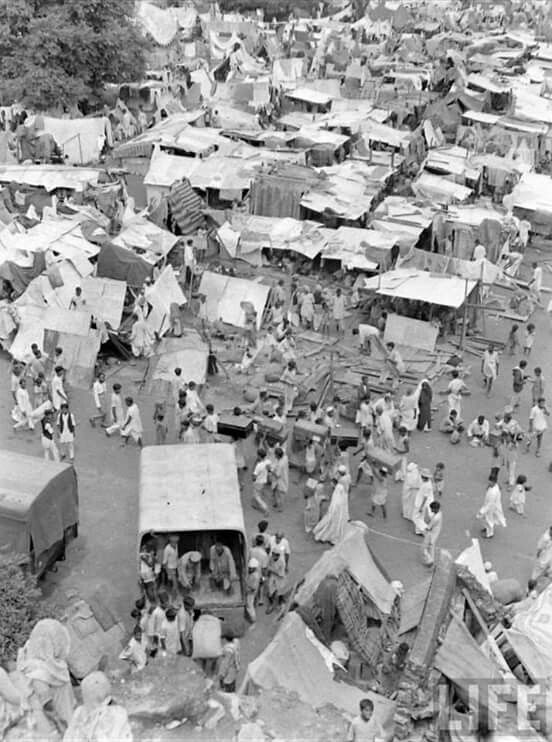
298	662
225	295
354	555
416	285
123	265
188	352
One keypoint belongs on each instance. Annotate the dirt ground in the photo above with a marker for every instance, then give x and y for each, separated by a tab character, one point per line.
104	555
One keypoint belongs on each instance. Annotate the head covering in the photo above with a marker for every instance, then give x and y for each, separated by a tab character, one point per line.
329	410
195	556
508	410
342	469
253	563
44	656
96	689
398	587
488	566
425	473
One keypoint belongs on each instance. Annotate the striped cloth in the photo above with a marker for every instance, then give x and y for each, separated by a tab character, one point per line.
185	206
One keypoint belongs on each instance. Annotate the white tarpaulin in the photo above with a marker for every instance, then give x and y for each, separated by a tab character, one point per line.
448	291
105	299
81	140
226	294
534	621
164	292
50	177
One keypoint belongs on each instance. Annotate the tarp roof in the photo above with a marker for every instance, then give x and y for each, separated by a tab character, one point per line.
298	662
50	177
309	95
354	555
211	480
447	291
533	192
225	295
188	353
303	237
437	189
140	233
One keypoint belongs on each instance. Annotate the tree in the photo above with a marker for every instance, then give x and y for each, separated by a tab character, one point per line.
54	53
21	604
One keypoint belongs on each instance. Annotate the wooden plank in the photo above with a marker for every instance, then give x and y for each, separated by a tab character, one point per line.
460	659
412	605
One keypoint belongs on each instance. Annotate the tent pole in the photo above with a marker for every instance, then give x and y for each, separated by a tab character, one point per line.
465	316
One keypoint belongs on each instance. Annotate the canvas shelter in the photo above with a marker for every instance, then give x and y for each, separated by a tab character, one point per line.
447	291
354	555
188	353
298	662
225	295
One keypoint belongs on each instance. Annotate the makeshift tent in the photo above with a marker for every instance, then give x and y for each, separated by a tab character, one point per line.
354	555
81	140
225	296
188	353
447	291
80	353
298	662
50	177
105	299
123	265
140	233
534	621
164	292
19	277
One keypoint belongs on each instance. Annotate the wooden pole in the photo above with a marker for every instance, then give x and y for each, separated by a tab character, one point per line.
465	316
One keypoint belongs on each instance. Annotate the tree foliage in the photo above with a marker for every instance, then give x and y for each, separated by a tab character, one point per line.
22	606
55	52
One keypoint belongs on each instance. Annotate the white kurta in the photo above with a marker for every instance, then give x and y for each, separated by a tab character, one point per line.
424	498
491	510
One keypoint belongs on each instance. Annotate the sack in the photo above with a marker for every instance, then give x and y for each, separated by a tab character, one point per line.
207	638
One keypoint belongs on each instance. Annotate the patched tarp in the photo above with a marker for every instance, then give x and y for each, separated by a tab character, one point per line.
105	299
123	265
19	277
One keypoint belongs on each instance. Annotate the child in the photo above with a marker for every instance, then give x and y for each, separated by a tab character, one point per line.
135	651
439	478
277	580
513	340
210	423
537	389
529	339
229	665
518	495
40	390
66	426
379	496
169	634
402	447
311	456
161	429
99	394
364	726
